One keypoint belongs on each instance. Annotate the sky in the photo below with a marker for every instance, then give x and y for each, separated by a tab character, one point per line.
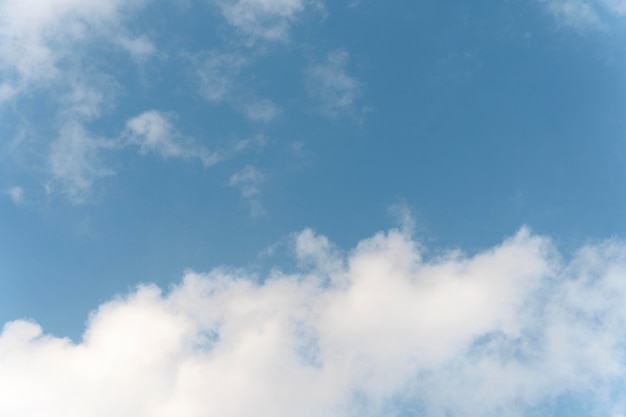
310	208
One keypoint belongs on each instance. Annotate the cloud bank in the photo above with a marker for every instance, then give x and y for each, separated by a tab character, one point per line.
380	331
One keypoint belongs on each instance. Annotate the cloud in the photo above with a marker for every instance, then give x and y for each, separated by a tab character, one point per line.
45	55
36	35
75	162
333	89
218	75
16	194
575	13
154	132
249	181
267	20
585	14
376	332
263	110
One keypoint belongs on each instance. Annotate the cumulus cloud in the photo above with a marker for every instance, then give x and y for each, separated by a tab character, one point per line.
376	332
249	181
330	85
154	132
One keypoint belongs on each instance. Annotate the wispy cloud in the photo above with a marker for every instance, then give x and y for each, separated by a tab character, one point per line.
261	110
249	181
75	162
36	35
585	14
44	54
16	194
217	74
154	132
219	78
267	20
575	13
334	91
376	332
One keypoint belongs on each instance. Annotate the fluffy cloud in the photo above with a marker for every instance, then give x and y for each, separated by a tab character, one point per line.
154	132
334	90
377	332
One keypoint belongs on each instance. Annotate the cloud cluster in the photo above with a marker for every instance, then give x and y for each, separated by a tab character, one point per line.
380	331
37	35
51	52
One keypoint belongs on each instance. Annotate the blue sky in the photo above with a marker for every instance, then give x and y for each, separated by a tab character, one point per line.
409	208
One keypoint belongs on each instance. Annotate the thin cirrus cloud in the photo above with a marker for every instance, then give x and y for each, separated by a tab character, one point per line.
379	331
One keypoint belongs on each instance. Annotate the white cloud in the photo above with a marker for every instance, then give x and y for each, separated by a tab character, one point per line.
268	20
492	334
75	163
16	194
154	132
35	35
334	90
249	181
44	51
